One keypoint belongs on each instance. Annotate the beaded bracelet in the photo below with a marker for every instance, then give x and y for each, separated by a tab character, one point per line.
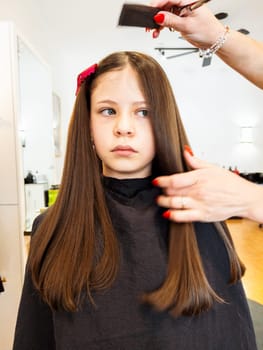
216	46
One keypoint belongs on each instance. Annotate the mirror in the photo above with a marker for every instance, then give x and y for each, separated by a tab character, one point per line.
37	128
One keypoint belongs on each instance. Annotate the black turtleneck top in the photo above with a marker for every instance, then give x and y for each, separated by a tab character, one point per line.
120	321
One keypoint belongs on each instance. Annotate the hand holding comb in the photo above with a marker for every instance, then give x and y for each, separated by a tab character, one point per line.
135	15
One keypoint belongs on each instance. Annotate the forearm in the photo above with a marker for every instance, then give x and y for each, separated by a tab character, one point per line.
245	55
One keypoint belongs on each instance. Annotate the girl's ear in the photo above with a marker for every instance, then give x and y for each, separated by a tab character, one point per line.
91	133
92	139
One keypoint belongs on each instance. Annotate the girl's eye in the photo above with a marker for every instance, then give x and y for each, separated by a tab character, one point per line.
108	111
143	113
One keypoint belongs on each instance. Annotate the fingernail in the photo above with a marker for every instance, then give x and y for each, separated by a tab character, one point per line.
159	18
167	214
188	149
155	34
147	29
155	182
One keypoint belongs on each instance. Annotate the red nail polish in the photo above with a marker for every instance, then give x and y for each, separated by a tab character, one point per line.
159	18
167	214
155	182
147	29
155	34
188	149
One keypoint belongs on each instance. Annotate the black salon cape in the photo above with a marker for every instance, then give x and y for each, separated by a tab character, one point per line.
120	321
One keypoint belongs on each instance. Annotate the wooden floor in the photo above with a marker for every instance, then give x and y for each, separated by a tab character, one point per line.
248	239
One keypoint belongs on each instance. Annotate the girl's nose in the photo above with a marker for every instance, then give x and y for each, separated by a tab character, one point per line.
124	126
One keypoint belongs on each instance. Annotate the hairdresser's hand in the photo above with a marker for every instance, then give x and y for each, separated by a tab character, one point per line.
209	193
199	27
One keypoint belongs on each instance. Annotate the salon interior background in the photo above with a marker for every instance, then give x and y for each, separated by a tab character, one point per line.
214	101
57	40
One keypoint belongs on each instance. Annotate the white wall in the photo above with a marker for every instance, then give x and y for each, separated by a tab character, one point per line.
214	105
36	115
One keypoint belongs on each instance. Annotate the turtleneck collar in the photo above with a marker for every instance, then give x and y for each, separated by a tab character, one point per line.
133	192
127	187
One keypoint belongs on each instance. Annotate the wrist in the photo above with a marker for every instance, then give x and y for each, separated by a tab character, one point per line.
256	210
254	203
216	45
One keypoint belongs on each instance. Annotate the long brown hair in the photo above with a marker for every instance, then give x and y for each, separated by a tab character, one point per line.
75	251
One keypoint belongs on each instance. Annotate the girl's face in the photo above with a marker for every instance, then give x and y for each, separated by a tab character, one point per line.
121	125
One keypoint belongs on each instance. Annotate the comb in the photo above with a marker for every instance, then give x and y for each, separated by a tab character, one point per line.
133	15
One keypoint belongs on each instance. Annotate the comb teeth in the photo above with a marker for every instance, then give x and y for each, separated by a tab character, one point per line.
138	16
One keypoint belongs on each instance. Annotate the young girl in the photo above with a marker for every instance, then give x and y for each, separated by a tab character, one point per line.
106	269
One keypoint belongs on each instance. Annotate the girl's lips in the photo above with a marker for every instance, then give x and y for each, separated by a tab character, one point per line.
123	150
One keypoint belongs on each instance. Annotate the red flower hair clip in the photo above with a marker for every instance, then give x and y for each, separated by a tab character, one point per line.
84	75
